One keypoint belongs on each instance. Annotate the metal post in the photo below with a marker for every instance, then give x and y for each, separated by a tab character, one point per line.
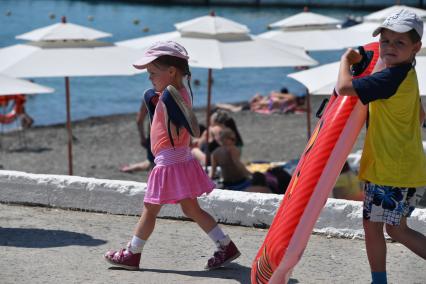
209	97
308	112
69	130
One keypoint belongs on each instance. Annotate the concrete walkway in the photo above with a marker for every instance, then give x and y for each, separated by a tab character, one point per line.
44	245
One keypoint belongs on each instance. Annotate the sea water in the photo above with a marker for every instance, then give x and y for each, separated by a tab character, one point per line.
99	96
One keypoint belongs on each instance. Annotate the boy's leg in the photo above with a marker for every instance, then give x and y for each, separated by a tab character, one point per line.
400	231
413	240
375	245
374	237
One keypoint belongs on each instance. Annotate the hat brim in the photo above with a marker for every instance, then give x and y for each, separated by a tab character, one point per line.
398	29
144	61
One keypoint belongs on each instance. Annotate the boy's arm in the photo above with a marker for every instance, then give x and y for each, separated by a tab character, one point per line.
344	80
422	113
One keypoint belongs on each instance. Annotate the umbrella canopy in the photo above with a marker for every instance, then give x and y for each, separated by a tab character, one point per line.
381	15
306	20
321	80
209	46
216	43
13	86
62	59
64	50
63	31
319	40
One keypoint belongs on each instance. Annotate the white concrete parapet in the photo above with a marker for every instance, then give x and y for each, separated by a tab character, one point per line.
338	218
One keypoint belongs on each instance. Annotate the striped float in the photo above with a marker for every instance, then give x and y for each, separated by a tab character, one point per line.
310	186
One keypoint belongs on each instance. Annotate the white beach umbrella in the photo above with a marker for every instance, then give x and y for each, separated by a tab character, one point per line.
13	86
381	15
320	40
61	31
66	50
306	20
216	43
322	80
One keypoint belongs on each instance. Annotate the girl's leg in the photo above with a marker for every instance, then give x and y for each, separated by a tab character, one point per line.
376	245
192	209
410	238
146	223
226	249
129	258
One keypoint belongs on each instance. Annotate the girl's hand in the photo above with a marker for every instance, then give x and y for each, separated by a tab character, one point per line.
351	56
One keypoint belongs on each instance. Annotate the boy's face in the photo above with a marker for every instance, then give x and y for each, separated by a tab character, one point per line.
397	48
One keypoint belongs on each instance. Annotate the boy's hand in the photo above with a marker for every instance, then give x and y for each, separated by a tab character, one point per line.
351	56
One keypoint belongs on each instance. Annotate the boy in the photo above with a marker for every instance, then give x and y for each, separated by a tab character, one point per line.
393	164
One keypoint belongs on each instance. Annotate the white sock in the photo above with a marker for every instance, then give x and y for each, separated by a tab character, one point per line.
136	244
218	237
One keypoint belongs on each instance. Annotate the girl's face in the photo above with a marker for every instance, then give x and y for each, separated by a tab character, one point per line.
160	76
397	48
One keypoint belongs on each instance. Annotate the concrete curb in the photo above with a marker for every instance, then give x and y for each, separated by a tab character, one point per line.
338	218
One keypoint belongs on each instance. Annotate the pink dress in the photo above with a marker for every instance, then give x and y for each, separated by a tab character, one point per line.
176	175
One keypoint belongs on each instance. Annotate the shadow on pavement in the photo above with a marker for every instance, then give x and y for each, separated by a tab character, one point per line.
233	271
40	238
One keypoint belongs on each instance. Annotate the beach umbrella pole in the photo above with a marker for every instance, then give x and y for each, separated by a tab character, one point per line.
308	113
209	96
69	130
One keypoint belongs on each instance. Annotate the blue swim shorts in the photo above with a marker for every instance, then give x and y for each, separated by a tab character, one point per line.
388	204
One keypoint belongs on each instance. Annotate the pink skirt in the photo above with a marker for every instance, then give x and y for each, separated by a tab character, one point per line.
176	176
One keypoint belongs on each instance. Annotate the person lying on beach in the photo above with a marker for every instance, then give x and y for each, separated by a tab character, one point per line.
234	173
219	120
275	102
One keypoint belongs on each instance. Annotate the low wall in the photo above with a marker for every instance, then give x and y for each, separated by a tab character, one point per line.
338	218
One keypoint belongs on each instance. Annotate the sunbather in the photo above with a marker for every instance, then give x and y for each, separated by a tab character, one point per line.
281	102
234	173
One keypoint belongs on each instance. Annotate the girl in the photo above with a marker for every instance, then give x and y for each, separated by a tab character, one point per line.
177	177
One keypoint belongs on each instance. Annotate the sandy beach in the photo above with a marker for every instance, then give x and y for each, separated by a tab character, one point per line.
103	144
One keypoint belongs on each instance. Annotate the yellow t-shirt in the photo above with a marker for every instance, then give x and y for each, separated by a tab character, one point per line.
393	152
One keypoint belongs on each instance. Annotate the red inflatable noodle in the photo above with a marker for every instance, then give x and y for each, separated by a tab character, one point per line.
17	109
312	181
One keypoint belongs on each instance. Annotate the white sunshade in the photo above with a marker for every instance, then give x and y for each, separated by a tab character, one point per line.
306	20
210	53
212	27
319	40
322	80
63	31
13	86
216	42
24	60
381	15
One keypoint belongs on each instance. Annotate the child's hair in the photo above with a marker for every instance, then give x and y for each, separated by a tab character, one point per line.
179	63
414	36
226	133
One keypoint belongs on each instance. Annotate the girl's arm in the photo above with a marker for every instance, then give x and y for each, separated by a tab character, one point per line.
140	118
344	80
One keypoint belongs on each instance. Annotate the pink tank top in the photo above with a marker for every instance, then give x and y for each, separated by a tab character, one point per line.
159	136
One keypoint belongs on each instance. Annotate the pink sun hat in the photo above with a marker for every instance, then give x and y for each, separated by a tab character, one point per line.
159	49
